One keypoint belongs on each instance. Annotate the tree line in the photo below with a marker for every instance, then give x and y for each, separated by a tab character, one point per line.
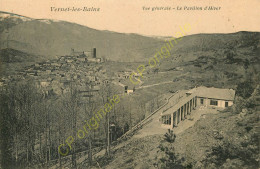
33	124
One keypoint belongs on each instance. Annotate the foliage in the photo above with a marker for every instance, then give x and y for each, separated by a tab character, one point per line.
169	136
241	148
245	89
169	159
6	137
250	102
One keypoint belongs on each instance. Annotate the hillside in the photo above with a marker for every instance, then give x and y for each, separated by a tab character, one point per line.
8	55
224	139
51	38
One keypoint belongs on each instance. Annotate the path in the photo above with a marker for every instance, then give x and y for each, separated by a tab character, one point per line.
141	87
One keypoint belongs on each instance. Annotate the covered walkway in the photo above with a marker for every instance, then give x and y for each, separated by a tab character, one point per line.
173	116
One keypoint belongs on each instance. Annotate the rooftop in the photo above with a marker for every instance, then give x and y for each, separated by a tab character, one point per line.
202	91
179	104
214	93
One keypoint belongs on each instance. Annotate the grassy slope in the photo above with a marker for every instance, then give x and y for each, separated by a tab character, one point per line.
210	68
196	143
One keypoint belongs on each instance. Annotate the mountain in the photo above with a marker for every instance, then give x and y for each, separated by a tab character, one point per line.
50	38
11	55
9	20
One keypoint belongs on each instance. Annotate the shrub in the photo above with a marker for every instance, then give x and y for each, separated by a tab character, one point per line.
169	159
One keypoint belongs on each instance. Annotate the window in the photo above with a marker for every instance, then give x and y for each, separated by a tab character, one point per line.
201	101
226	104
166	119
214	102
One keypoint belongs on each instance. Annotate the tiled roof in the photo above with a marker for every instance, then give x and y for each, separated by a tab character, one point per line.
214	93
202	91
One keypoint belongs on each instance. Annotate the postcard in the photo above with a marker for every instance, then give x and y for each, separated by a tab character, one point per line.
129	84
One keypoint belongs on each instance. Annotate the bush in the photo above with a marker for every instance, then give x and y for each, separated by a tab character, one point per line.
245	89
169	159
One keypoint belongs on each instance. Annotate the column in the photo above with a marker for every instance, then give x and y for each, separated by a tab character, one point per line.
185	110
179	115
172	120
175	118
182	113
188	107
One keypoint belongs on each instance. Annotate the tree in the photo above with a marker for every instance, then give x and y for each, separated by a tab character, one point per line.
105	93
169	136
71	104
6	136
89	111
169	159
21	119
245	89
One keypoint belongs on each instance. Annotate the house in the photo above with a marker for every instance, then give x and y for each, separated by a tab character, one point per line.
213	97
197	97
129	89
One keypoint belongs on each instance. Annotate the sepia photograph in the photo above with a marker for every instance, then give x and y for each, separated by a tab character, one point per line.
133	84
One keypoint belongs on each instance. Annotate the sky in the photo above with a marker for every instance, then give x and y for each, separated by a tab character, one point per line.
128	16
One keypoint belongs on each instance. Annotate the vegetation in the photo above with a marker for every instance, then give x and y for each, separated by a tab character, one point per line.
169	158
242	152
33	125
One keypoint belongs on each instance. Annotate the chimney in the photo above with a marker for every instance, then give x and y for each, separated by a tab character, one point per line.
94	53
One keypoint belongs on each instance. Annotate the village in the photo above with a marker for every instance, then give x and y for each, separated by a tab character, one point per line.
53	76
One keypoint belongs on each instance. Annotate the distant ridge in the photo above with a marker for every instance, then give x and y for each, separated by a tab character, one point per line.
12	14
50	38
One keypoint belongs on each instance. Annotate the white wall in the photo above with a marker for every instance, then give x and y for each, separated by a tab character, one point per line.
221	103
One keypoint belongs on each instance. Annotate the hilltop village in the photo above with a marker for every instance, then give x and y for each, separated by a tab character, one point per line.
81	67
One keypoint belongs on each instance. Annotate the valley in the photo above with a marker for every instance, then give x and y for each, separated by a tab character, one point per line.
54	75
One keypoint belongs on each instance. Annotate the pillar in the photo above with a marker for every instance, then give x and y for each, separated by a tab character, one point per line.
182	113
179	115
175	118
185	110
190	105
172	120
193	102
